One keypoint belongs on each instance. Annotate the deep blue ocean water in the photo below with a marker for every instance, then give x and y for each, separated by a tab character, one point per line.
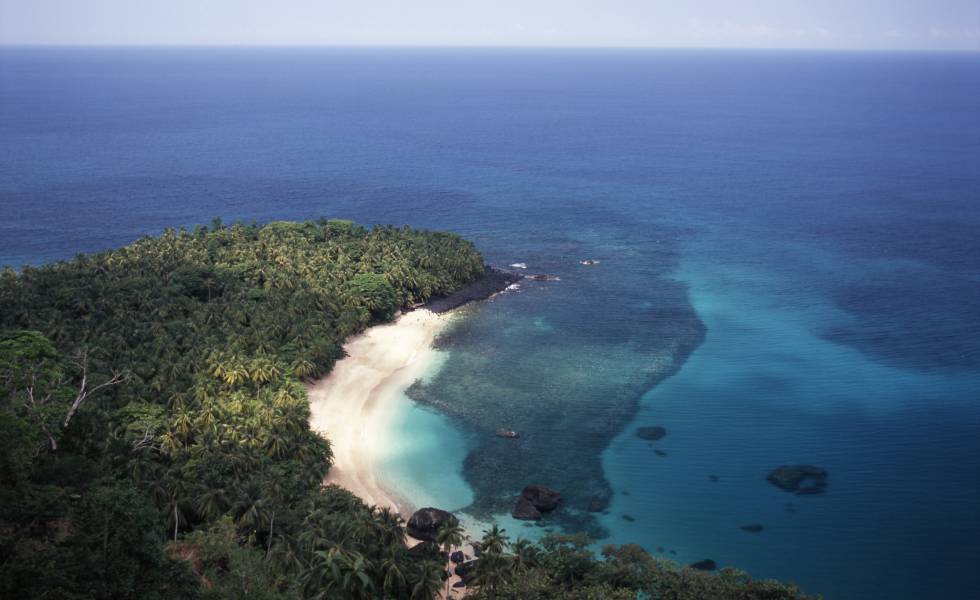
788	246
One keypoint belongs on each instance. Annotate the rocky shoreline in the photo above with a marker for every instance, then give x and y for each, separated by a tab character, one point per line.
494	280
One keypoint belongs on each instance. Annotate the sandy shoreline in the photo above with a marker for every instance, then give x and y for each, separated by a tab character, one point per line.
353	406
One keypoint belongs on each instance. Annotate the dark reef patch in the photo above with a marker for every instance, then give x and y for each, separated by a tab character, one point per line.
799	479
652	434
565	364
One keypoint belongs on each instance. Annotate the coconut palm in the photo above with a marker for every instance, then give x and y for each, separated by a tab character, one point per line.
449	536
428	581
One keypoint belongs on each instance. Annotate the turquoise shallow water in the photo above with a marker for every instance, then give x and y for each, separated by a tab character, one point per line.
789	268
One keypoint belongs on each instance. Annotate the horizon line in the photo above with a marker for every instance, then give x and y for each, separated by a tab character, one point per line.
219	45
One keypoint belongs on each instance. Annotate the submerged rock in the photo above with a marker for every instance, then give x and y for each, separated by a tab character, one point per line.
755	528
660	452
653	433
543	498
628	518
425	523
525	510
598	504
799	479
704	565
713	477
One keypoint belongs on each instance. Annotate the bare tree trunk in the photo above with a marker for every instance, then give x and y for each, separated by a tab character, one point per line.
83	392
272	529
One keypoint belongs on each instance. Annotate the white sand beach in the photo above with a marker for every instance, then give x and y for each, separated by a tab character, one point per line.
355	404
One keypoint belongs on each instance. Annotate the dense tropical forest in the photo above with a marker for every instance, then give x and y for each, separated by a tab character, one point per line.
154	435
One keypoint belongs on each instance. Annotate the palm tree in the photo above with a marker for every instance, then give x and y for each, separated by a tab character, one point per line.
526	555
494	540
492	571
448	537
394	577
428	582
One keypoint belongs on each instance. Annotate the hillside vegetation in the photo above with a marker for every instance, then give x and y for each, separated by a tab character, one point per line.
154	435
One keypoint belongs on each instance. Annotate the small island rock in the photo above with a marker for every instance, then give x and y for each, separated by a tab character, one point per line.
543	498
525	510
704	565
799	479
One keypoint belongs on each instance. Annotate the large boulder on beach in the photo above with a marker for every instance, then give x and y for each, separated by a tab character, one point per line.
457	557
525	510
652	433
799	479
467	570
543	498
425	523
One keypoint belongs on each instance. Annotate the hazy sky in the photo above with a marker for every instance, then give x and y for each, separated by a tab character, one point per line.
873	24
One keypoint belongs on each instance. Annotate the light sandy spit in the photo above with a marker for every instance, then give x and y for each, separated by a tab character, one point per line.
355	404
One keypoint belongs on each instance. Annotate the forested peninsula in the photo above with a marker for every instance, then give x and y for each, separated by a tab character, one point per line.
155	438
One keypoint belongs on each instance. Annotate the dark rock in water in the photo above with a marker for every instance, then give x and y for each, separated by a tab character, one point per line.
651	433
713	477
493	281
704	565
660	549
525	510
672	551
660	453
628	518
467	570
598	504
543	498
625	492
799	479
425	523
457	557
752	528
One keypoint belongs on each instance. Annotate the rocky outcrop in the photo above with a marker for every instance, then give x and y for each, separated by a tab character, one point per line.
652	434
543	498
534	500
704	565
525	510
425	523
799	479
493	281
457	557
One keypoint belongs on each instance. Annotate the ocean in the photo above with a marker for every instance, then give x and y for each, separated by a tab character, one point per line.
787	269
